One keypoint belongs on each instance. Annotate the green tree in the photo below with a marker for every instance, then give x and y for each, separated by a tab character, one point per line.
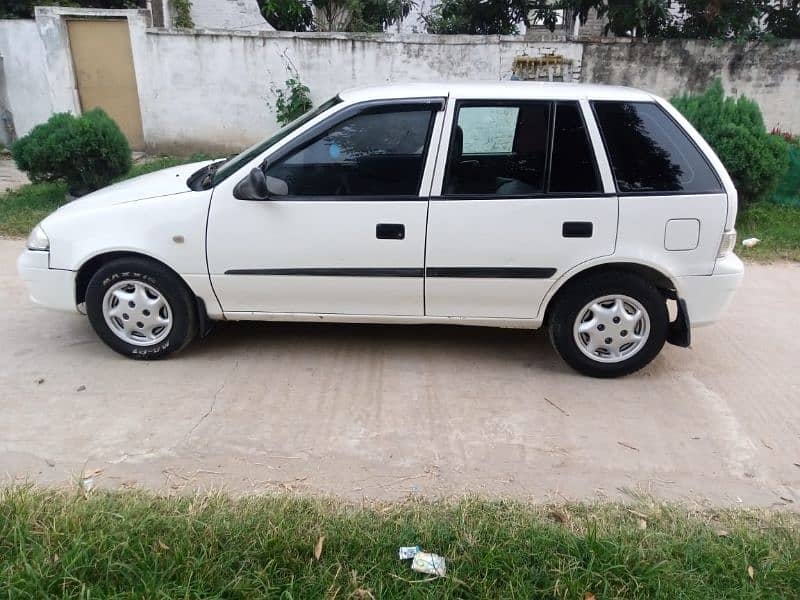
722	19
360	15
288	15
783	18
486	17
23	9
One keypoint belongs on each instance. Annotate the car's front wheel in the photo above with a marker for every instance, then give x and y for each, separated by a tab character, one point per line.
140	308
609	324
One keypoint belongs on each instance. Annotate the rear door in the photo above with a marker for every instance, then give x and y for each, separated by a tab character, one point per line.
518	200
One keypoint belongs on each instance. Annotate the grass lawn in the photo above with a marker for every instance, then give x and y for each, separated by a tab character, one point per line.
23	208
134	545
778	228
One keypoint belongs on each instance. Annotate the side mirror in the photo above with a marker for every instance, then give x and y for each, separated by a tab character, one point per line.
258	186
252	187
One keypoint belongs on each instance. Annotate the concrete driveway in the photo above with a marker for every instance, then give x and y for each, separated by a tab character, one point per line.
382	411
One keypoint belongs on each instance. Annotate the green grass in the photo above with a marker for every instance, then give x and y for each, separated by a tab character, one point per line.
23	208
134	545
778	228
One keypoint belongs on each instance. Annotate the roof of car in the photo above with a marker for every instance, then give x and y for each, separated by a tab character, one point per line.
495	90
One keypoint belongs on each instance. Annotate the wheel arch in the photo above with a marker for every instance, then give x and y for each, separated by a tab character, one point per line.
662	280
93	264
90	266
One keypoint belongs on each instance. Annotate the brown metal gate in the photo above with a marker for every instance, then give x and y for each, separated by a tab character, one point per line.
103	61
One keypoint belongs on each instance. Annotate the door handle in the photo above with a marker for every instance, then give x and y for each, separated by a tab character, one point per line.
573	229
390	231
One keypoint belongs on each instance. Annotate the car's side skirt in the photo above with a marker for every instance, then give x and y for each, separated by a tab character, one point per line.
383	319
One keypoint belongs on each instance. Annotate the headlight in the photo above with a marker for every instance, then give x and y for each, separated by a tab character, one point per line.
38	240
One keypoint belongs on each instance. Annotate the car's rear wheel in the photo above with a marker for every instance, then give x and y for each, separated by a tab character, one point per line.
140	308
609	324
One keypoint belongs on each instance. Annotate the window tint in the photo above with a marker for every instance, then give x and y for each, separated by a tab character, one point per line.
499	149
572	168
375	153
649	152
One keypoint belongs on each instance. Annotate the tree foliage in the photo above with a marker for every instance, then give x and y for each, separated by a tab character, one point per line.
287	15
360	15
707	19
23	9
498	17
755	160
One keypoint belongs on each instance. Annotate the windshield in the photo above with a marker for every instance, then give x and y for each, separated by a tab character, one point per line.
234	164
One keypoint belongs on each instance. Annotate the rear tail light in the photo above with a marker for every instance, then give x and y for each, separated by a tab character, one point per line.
727	243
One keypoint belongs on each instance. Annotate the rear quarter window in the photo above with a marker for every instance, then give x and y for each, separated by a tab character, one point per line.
650	153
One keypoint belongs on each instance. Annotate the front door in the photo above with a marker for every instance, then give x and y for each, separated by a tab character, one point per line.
346	235
521	202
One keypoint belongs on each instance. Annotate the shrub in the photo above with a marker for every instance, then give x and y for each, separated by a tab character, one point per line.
183	14
86	152
735	129
292	102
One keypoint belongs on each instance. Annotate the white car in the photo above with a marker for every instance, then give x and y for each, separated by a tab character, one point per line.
585	209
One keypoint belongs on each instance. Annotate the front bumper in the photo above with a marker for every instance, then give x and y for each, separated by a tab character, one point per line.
707	296
51	288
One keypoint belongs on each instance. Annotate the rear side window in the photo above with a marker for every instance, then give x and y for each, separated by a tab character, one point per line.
649	152
499	149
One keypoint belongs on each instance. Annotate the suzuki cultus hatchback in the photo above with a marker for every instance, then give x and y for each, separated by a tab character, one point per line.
584	209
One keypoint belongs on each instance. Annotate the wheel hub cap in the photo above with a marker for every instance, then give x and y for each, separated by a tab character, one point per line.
611	328
137	313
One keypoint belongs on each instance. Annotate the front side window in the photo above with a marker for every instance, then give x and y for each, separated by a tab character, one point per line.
498	149
649	152
380	152
234	164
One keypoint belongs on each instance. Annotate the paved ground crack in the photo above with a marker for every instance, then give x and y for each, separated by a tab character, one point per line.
212	406
205	415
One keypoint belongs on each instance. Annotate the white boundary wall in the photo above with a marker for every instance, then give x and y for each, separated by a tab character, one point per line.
211	90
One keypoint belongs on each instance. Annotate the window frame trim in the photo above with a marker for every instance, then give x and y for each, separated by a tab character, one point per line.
590	143
721	189
434	105
518	102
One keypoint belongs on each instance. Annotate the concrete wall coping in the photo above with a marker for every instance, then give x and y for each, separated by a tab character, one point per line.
70	11
381	38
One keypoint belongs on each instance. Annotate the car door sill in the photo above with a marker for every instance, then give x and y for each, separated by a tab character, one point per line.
384	319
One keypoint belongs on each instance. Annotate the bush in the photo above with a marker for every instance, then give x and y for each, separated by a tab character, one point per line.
735	129
292	102
86	152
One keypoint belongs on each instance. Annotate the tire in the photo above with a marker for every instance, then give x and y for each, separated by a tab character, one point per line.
119	299
583	344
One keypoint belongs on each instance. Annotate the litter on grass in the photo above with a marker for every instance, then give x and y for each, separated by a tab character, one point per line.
408	552
427	562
